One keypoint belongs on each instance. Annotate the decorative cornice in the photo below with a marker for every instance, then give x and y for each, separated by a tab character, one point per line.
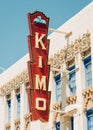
14	83
67	54
85	48
56	60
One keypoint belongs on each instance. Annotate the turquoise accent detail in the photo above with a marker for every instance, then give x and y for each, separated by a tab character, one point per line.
39	20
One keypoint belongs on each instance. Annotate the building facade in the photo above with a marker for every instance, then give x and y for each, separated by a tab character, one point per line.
70	81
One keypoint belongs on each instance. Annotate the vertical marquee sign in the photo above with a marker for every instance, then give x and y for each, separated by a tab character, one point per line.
38	70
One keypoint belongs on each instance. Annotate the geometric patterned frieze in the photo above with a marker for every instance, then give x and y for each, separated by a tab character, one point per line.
57	106
88	98
14	83
71	100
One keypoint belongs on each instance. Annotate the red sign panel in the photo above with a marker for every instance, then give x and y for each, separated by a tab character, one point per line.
38	70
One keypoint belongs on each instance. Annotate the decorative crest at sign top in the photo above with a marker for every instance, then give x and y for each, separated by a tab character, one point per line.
38	70
39	20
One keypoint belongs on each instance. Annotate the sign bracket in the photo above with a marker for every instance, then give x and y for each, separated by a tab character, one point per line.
67	34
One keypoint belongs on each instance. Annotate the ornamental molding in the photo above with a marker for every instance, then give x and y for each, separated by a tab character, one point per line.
7	126
71	100
56	115
17	124
14	83
85	47
27	121
57	106
68	54
88	98
55	61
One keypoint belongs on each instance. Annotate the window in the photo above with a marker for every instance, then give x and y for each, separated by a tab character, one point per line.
9	109
88	71
72	81
57	125
58	87
72	123
18	104
90	120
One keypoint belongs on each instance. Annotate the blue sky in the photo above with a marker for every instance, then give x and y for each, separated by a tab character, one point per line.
14	24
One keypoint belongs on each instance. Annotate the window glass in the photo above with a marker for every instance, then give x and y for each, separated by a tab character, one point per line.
57	125
90	119
9	109
88	71
18	105
72	123
72	81
58	87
